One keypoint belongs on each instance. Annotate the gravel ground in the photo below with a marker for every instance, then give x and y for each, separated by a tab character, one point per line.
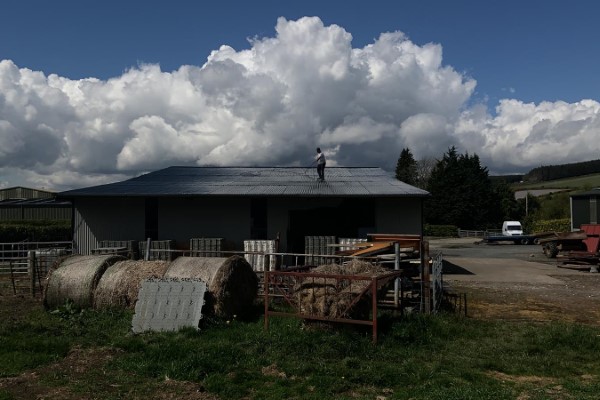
517	282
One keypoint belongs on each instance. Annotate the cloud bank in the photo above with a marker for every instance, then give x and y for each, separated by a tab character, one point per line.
272	104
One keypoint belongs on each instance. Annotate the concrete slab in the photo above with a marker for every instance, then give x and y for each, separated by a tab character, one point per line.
502	270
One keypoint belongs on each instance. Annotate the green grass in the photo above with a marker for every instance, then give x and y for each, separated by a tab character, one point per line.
443	357
584	182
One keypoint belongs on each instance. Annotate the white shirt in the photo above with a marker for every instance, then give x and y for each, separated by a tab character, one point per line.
321	158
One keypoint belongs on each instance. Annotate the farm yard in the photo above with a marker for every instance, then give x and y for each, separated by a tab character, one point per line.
532	331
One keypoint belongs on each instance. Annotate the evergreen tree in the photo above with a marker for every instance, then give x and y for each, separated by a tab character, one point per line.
508	207
424	168
461	193
406	167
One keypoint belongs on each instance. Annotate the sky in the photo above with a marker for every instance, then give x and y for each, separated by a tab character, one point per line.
93	92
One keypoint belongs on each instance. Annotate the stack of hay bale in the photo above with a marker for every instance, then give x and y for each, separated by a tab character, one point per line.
106	281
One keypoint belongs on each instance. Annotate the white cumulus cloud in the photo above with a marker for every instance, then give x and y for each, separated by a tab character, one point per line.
272	104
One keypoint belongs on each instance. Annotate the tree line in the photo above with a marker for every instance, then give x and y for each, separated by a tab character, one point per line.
462	193
552	172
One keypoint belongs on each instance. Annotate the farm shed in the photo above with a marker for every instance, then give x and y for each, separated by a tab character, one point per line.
241	203
20	192
585	208
21	203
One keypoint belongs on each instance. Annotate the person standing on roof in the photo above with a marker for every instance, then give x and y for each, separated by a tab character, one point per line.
320	159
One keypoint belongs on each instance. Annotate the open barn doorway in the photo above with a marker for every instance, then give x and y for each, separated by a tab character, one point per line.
351	218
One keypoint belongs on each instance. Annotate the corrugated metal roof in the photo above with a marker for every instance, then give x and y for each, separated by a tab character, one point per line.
20	192
255	181
590	193
34	202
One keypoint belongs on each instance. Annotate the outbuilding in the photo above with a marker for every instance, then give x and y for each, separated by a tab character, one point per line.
21	203
241	203
585	208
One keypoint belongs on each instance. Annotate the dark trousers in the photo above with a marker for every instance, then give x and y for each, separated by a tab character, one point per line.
321	171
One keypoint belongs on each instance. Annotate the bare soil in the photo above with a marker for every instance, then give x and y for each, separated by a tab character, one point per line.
516	282
577	300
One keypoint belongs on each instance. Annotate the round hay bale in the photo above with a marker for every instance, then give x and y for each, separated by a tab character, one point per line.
231	283
121	283
75	278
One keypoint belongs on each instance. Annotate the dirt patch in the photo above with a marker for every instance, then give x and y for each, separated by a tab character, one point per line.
577	299
13	306
69	379
517	282
531	386
272	371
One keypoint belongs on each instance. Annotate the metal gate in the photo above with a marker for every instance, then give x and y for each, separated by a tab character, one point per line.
437	282
24	265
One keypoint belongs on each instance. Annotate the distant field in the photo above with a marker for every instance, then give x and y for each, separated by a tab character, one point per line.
577	183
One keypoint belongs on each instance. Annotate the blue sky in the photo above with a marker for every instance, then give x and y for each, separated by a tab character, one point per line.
520	54
541	50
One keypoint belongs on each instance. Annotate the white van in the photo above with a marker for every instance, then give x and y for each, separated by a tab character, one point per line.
512	228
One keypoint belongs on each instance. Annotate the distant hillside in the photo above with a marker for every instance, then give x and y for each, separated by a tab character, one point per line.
585	182
554	172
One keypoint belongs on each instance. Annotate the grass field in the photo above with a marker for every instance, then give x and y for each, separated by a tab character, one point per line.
72	355
584	182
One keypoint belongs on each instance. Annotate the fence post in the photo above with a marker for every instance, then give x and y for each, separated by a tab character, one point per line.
426	278
396	268
374	311
266	299
31	270
147	255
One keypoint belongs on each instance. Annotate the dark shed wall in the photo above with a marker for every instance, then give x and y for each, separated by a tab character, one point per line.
399	215
11	213
53	213
181	219
106	219
32	212
584	210
293	218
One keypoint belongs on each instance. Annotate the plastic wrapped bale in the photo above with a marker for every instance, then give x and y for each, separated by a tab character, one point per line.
232	284
75	279
120	284
332	297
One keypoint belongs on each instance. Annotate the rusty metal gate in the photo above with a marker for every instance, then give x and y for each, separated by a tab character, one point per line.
354	288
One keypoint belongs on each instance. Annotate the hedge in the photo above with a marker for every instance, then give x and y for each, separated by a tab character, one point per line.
551	225
440	230
35	231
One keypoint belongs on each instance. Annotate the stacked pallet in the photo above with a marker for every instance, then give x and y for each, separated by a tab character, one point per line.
206	247
159	250
317	246
258	261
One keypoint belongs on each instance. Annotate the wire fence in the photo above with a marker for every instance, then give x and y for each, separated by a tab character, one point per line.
480	234
25	265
